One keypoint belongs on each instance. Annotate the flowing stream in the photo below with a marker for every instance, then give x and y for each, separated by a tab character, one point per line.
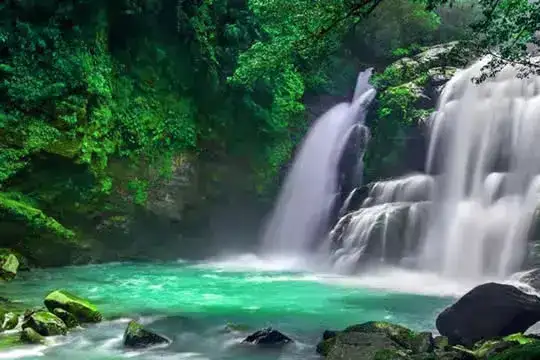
192	303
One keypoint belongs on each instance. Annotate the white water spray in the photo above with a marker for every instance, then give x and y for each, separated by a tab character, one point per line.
305	202
483	186
485	142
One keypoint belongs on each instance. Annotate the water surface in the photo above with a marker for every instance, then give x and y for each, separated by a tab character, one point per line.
192	304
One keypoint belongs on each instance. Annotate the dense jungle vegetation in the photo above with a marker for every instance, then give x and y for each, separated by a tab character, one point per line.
104	103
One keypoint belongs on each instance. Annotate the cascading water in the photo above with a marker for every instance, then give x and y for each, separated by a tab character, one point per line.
484	142
472	214
306	201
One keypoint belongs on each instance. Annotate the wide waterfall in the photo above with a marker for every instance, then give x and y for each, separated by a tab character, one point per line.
314	182
471	215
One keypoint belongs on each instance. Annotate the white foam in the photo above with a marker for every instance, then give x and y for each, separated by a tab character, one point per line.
36	351
252	262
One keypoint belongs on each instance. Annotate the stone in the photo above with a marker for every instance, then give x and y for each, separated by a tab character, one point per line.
30	336
11	320
486	312
68	318
441	343
8	266
45	323
83	310
422	343
268	337
376	341
136	336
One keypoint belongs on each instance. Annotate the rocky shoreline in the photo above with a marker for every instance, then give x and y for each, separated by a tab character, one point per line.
491	321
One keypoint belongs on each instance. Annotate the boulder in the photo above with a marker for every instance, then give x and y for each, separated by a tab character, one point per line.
136	336
45	323
30	336
268	337
83	310
68	318
488	311
11	320
8	266
374	341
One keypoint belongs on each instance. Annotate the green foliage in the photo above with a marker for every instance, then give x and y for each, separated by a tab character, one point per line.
109	92
139	188
15	206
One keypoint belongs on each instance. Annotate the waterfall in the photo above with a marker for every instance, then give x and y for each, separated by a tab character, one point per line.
306	201
484	144
471	214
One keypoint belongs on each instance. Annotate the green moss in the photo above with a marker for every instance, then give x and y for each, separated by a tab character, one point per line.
68	318
45	323
528	351
8	266
520	338
31	216
9	341
11	320
82	309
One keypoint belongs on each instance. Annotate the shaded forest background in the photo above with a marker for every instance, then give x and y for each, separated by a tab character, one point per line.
136	128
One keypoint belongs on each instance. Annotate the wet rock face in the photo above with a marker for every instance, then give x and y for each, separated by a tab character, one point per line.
488	311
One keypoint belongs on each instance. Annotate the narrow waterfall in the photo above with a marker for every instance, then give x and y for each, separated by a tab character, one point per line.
314	182
471	214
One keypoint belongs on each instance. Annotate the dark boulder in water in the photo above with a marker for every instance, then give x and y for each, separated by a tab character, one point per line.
268	337
136	336
488	311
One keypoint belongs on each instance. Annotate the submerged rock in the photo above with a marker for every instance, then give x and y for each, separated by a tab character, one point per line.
68	318
45	323
268	337
30	336
83	310
8	265
488	311
136	336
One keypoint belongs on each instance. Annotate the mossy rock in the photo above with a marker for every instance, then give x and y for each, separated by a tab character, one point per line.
400	334
377	340
10	322
441	343
45	323
9	264
68	318
363	345
529	351
30	336
83	310
136	336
